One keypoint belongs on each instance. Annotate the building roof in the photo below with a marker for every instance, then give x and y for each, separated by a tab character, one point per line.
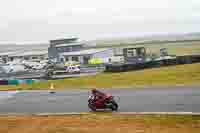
28	53
69	44
63	40
84	52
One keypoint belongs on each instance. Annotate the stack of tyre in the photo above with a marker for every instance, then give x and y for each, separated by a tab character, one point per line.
15	82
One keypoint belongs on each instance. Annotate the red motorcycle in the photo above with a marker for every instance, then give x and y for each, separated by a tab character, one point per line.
108	103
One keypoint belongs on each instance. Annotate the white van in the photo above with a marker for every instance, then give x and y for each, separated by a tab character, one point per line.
73	69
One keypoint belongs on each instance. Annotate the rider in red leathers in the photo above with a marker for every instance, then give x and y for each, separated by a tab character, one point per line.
99	97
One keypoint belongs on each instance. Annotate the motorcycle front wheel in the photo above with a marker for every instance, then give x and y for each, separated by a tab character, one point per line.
114	106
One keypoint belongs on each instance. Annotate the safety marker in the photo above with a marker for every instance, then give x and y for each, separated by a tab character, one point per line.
52	88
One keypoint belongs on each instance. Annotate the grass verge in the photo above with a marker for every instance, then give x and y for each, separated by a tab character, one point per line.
100	123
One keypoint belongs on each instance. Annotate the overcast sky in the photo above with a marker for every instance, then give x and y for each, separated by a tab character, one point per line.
42	20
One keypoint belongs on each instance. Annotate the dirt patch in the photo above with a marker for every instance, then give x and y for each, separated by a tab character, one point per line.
98	123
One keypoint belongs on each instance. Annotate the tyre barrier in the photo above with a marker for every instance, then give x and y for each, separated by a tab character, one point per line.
17	82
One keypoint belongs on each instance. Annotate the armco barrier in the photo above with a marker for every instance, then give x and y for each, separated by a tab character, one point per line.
22	81
29	81
16	82
3	82
13	82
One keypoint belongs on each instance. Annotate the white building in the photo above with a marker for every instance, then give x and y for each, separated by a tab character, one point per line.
83	56
71	49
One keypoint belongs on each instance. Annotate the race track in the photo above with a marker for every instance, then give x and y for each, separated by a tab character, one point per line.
179	99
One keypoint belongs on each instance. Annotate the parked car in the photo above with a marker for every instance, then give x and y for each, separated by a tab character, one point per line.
73	69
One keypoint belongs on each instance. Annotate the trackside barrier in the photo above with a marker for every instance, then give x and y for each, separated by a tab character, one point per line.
3	82
18	82
13	82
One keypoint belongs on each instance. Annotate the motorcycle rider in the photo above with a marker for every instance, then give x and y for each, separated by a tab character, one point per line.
99	97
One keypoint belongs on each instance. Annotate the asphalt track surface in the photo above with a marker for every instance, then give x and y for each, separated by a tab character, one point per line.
176	99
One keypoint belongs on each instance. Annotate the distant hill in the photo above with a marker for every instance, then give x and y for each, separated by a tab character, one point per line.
109	42
146	39
24	47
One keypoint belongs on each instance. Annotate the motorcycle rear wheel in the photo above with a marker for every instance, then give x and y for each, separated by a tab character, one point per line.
92	107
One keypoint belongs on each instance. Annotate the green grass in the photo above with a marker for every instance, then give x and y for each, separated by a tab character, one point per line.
165	76
183	48
174	48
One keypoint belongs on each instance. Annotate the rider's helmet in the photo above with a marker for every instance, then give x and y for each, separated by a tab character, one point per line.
94	91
